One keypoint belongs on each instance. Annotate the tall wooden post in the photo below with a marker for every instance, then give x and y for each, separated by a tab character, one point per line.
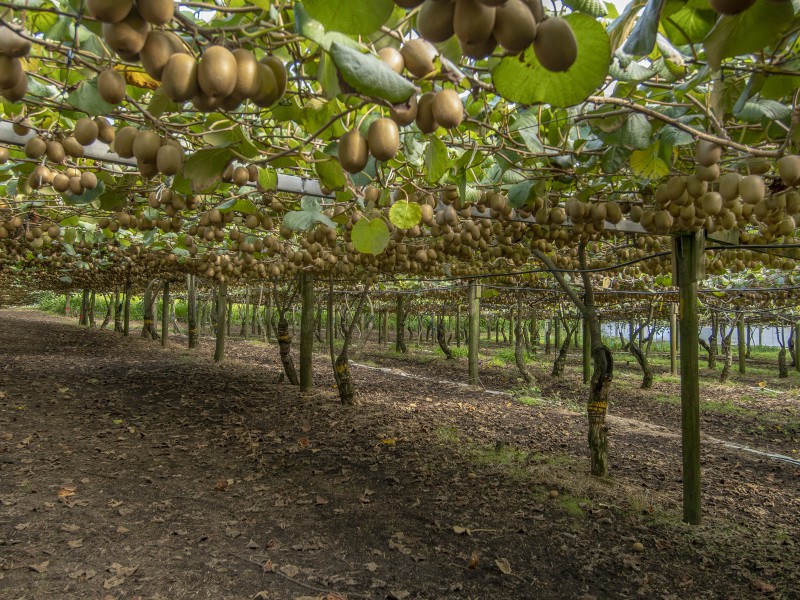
673	339
191	310
67	302
246	314
307	322
126	313
587	352
511	327
165	314
557	327
458	325
222	305
742	342
474	330
117	314
689	266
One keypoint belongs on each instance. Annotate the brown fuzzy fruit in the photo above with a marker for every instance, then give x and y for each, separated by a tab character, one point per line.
3	155
16	92
146	145
435	20
88	180
126	37
123	143
514	26
12	43
180	78
481	50
425	119
267	93
447	108
105	131
353	151
86	131
404	114
111	86
279	71
383	138
555	45
789	169
35	147
157	12
72	147
169	159
217	71
473	21
159	46
392	58
418	56
707	153
109	11
10	71
247	78
55	152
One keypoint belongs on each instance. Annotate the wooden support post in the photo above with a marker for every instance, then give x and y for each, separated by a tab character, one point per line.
222	305
474	330
191	310
126	313
557	328
673	339
742	343
458	325
165	314
688	250
797	346
587	353
307	323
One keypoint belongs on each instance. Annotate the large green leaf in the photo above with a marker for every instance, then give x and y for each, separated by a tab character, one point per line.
751	31
240	205
370	237
369	75
526	81
356	17
312	29
329	171
300	220
405	215
643	36
87	98
647	164
204	168
437	161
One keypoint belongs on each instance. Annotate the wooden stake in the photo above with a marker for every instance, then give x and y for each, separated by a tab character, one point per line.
307	324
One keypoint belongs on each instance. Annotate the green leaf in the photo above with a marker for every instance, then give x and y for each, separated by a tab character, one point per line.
647	164
329	171
240	205
312	29
160	103
311	203
369	75
87	98
643	37
370	237
356	17
112	200
635	132
690	23
528	82
204	168
521	193
267	178
751	31
526	125
300	220
595	8
437	161
405	215
754	111
614	158
86	197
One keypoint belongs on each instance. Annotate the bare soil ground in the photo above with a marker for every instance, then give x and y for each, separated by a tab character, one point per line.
131	471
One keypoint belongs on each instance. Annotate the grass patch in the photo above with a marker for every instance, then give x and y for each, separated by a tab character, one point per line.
529	400
447	434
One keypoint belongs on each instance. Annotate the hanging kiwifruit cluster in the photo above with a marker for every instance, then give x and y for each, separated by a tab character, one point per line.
126	23
590	217
483	25
382	141
153	153
13	48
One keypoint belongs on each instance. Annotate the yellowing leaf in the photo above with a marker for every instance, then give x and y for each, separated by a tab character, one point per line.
503	565
138	78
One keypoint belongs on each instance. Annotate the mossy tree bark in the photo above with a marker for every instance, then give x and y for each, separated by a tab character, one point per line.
92	303
561	359
221	321
442	339
341	363
400	342
191	309
283	335
165	308
126	316
148	329
519	344
726	350
67	301
712	342
306	331
117	311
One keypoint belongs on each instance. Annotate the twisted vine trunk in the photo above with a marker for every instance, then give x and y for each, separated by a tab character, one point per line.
783	368
440	337
561	360
712	343
148	329
285	348
641	358
191	312
400	342
520	343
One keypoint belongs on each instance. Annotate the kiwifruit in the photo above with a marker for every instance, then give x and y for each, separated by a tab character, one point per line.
425	119
757	165
404	114
246	74
514	26
3	155
473	21
88	180
53	231
231	103
10	71
16	92
383	138
123	142
418	55
146	145
279	71
75	185
179	78
35	147
707	153
707	173
85	131
695	186
731	7
55	152
267	93
205	103
22	126
555	44
613	212
109	11
43	174
447	108
353	151
216	72
435	20
72	147
712	203
126	37
662	220
729	186
105	131
752	189
240	176
60	182
111	86
169	159
12	43
393	58
789	169
159	46
147	169
480	50
252	171
157	12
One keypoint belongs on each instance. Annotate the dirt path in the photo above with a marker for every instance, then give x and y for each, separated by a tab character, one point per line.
128	471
